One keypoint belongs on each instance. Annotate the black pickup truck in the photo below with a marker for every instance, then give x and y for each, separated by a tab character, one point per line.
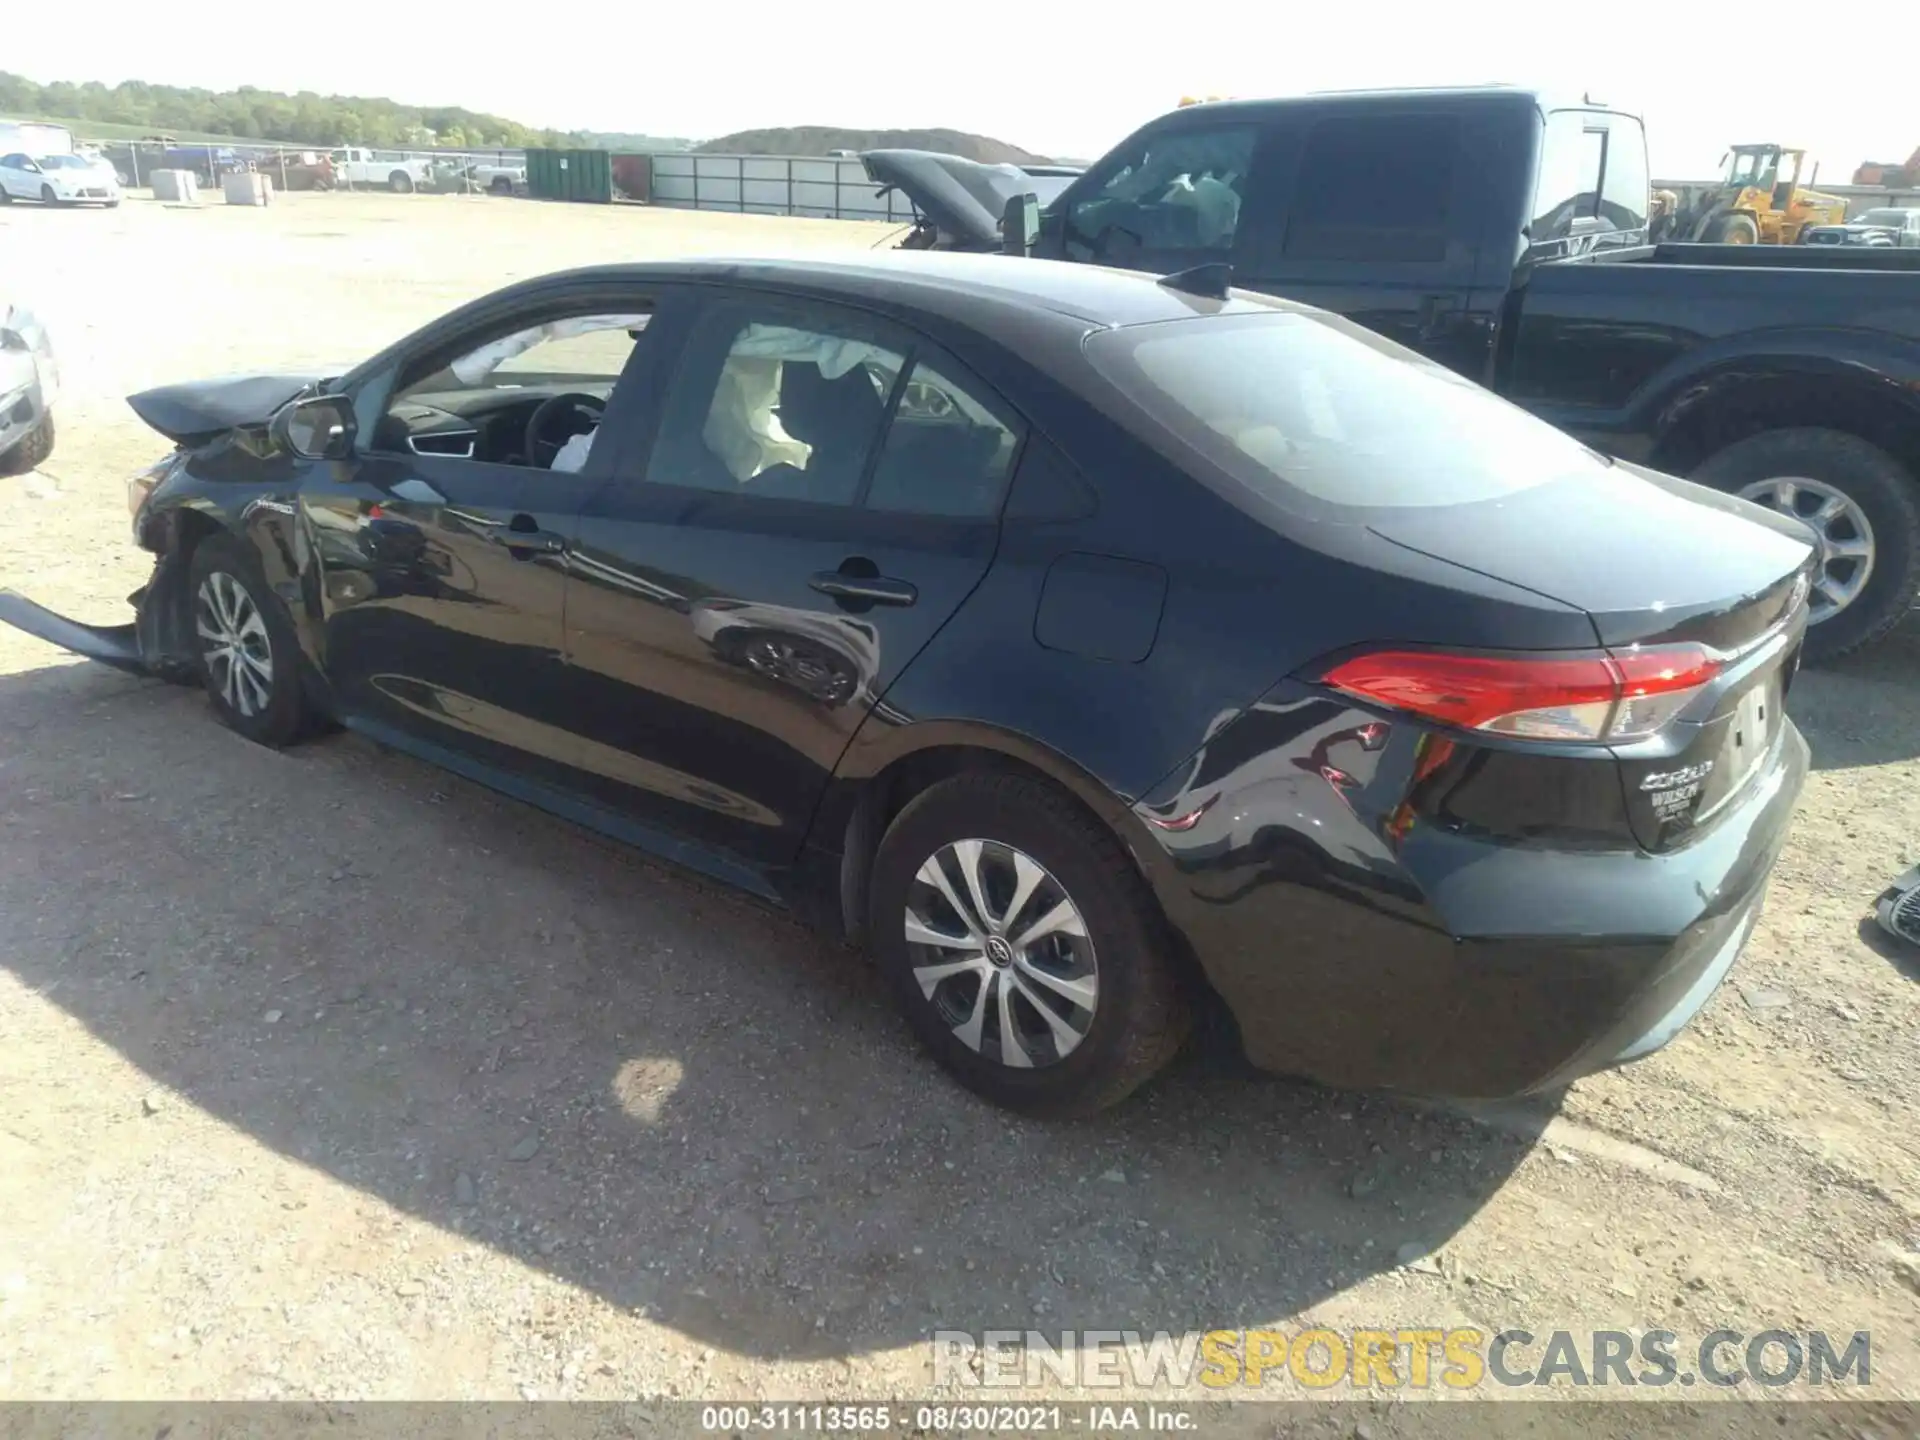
1504	234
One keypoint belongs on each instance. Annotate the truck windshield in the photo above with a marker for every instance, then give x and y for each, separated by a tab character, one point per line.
1319	416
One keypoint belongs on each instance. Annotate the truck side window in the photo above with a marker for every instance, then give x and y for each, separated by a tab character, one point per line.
1375	188
1179	192
1625	190
1593	169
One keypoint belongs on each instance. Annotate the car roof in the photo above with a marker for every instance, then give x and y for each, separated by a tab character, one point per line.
983	291
1374	99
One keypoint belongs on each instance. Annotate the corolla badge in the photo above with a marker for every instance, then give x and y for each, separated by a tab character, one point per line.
1668	779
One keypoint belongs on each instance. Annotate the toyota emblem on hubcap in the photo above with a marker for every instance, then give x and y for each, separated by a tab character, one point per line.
998	951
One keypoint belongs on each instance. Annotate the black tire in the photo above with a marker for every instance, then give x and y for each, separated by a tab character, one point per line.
501	185
47	197
285	715
400	183
1878	484
6	196
31	452
1734	230
1140	1013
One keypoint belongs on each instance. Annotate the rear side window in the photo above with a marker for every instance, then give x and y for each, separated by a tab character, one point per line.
1375	188
1322	417
1625	188
1593	176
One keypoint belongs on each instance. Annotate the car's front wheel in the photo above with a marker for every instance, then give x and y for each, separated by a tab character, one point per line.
249	658
1023	946
400	183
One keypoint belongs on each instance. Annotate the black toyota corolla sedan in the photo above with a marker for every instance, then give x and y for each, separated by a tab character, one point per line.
1089	647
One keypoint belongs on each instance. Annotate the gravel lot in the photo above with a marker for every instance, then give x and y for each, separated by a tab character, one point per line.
328	1075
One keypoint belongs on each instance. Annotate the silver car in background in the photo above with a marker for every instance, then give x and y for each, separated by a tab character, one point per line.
29	381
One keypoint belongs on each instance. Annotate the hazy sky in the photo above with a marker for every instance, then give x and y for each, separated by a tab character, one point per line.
1059	79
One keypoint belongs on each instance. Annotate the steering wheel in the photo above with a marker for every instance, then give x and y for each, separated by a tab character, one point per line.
576	406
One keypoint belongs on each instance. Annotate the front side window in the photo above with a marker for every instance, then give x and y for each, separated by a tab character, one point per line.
1179	192
533	396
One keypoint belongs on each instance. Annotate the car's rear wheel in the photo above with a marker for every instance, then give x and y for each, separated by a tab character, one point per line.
33	451
1861	504
400	182
1023	946
249	658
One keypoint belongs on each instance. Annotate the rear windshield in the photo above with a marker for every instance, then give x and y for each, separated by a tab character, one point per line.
1314	414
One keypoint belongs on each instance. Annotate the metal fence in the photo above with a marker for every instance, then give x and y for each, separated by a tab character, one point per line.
831	187
307	167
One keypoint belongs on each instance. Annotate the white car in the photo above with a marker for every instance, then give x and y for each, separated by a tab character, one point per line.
29	378
58	180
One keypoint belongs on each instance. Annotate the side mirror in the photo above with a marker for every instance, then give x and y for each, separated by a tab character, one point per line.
1020	225
318	428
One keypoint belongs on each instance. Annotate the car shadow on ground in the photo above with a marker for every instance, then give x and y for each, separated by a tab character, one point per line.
1900	955
648	1089
1864	709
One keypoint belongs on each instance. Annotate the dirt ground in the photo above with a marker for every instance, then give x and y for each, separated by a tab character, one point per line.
327	1075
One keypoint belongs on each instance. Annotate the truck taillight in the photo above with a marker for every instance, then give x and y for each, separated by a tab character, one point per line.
1613	697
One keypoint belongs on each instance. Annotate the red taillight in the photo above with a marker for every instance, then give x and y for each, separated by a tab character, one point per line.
1621	696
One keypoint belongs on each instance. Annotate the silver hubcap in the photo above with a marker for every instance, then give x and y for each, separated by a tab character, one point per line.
1845	560
1002	953
233	638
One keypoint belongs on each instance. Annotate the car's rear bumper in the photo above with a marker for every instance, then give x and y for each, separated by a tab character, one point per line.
1443	963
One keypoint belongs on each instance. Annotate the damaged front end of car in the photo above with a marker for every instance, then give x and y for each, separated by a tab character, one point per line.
199	418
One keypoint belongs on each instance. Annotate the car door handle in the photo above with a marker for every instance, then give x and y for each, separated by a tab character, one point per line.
873	589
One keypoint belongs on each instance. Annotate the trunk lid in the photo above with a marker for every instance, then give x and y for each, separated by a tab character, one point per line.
195	412
1659	562
1652	559
963	198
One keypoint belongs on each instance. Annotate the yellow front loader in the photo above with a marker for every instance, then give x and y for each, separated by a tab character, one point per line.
1761	201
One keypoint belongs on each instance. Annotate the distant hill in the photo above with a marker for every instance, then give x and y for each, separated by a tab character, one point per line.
825	139
93	110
